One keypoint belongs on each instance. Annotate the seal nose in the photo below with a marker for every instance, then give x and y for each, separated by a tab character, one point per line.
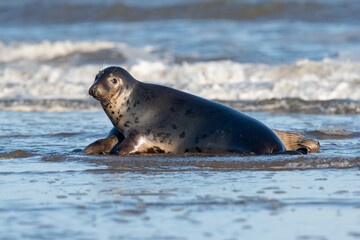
92	90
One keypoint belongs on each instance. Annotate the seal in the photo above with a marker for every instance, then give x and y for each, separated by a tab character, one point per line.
150	118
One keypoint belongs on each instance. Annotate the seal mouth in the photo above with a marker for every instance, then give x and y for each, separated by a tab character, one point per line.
104	100
97	98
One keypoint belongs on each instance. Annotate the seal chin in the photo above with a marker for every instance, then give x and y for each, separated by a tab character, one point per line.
105	101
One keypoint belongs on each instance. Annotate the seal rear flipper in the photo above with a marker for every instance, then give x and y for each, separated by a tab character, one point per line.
302	150
299	151
294	141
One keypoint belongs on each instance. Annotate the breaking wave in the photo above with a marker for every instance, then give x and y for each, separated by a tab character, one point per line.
34	76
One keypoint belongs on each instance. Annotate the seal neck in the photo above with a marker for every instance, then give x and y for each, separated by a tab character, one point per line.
119	105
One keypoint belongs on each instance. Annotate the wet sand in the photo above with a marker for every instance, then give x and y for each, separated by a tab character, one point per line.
57	200
50	190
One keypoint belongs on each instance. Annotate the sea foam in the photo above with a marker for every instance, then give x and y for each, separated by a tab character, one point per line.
52	70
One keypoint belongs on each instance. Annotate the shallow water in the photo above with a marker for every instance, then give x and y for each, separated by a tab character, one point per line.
50	190
88	203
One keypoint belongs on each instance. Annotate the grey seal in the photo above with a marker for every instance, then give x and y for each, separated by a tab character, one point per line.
150	118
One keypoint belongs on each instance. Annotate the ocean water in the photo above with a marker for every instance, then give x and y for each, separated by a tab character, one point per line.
292	64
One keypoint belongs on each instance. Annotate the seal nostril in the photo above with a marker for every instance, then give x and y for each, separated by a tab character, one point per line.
93	90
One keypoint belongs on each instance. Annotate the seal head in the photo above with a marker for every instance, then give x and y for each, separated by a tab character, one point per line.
110	83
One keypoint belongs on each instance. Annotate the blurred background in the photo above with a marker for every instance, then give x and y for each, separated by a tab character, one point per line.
225	50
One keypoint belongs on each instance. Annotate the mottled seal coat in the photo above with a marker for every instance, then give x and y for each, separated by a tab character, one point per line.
151	118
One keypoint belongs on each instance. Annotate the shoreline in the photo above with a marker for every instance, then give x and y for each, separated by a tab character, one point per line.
286	105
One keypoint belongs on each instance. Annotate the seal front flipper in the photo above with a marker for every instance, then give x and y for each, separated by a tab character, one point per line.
131	144
106	145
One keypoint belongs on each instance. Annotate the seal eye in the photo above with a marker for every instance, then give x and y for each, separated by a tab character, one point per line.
114	80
